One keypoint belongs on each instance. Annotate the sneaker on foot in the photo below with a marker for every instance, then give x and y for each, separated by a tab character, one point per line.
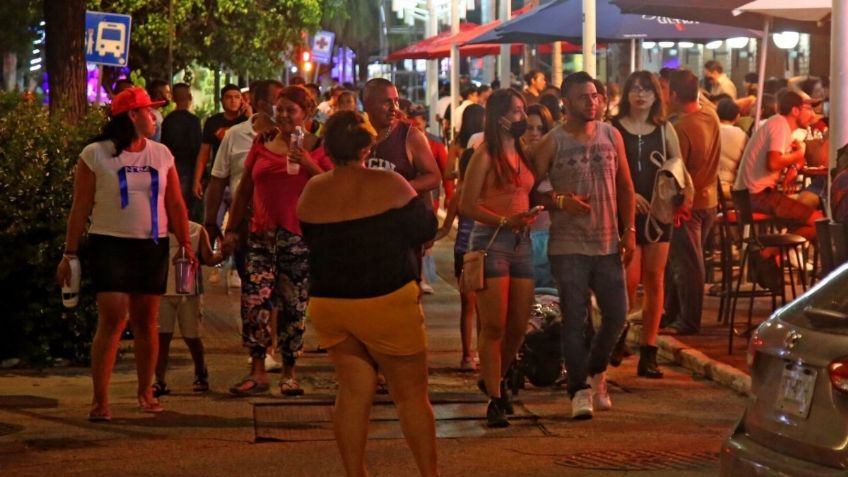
201	382
233	279
496	414
600	392
272	364
581	404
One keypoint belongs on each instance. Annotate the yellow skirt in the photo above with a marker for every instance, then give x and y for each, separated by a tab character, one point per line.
390	324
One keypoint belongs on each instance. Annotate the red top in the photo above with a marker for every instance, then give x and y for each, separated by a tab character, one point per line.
275	192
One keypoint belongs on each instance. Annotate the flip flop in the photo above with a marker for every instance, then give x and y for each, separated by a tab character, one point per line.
152	407
101	416
290	387
255	387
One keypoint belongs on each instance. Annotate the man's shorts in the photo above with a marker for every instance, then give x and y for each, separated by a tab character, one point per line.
777	204
391	324
182	309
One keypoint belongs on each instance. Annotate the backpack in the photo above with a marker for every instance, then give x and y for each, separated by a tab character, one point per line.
673	193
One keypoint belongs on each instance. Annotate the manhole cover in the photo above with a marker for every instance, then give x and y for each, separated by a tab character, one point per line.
639	460
311	420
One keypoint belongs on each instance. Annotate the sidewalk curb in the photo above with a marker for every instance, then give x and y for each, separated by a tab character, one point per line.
699	363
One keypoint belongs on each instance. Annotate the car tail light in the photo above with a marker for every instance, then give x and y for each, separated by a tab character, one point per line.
838	372
753	345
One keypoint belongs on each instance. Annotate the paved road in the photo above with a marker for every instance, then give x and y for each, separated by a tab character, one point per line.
670	427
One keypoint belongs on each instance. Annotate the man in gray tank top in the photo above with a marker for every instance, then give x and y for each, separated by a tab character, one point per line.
586	164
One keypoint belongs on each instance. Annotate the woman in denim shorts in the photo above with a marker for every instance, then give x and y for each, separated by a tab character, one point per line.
496	194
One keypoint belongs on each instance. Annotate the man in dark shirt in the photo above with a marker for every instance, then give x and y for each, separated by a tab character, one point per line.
181	133
213	131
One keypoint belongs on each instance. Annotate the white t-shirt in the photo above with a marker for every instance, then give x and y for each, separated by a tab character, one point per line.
229	160
135	220
754	174
733	141
442	106
456	119
475	140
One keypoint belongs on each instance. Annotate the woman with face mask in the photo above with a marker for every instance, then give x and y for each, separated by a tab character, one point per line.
641	121
496	195
277	256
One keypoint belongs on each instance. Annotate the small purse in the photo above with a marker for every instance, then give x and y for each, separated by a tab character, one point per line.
473	276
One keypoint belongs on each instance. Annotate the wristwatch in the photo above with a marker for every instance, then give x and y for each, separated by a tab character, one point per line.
502	222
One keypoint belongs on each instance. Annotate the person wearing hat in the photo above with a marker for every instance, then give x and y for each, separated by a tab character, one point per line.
770	151
128	187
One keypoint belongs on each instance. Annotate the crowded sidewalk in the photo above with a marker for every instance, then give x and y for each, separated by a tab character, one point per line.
42	414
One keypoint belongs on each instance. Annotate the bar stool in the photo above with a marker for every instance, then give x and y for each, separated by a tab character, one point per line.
784	242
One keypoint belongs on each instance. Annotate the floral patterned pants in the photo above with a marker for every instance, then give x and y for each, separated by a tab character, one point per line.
277	276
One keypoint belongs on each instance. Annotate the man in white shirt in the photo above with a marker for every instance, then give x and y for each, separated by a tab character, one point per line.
469	96
721	83
770	150
229	160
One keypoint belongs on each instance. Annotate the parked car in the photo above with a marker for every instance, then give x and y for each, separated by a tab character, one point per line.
797	421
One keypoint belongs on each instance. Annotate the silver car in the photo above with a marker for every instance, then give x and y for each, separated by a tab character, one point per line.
797	422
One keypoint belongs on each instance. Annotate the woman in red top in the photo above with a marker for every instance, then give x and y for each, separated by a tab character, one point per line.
277	258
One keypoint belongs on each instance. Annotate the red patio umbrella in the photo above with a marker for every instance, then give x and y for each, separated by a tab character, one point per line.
418	51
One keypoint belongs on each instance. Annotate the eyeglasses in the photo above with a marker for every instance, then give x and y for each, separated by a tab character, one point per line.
636	90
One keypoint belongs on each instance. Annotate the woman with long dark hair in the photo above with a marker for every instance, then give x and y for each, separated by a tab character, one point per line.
496	194
129	188
277	257
641	121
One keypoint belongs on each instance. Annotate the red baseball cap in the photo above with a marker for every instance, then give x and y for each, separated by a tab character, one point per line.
132	98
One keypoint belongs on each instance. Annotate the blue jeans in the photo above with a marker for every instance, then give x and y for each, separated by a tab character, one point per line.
685	273
578	275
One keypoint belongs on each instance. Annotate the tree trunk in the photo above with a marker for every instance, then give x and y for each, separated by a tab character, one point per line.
65	46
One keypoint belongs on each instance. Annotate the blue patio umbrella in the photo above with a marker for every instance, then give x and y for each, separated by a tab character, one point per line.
562	20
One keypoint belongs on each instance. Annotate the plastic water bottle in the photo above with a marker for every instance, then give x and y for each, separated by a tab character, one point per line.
293	168
70	293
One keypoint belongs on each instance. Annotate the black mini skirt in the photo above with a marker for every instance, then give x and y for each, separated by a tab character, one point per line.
128	265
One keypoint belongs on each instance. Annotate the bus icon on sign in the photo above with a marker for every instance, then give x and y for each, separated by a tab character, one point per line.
111	38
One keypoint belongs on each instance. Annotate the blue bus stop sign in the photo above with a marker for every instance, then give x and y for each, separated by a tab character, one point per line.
107	38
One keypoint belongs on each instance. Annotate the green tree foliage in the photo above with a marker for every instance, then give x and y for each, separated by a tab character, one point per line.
356	24
37	155
245	36
17	37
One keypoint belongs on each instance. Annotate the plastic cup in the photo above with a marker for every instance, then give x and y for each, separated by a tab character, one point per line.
184	275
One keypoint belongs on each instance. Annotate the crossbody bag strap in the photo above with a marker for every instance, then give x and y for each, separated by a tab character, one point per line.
492	240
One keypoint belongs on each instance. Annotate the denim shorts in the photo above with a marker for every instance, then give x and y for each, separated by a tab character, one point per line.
511	254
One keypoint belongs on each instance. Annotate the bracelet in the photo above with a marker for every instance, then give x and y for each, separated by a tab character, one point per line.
559	199
630	229
69	256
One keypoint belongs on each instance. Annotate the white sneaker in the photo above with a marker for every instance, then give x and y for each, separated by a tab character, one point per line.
600	391
233	279
581	404
426	288
272	364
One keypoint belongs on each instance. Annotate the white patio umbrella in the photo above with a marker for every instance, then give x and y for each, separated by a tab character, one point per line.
813	11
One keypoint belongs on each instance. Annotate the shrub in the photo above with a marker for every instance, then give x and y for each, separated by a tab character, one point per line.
37	157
